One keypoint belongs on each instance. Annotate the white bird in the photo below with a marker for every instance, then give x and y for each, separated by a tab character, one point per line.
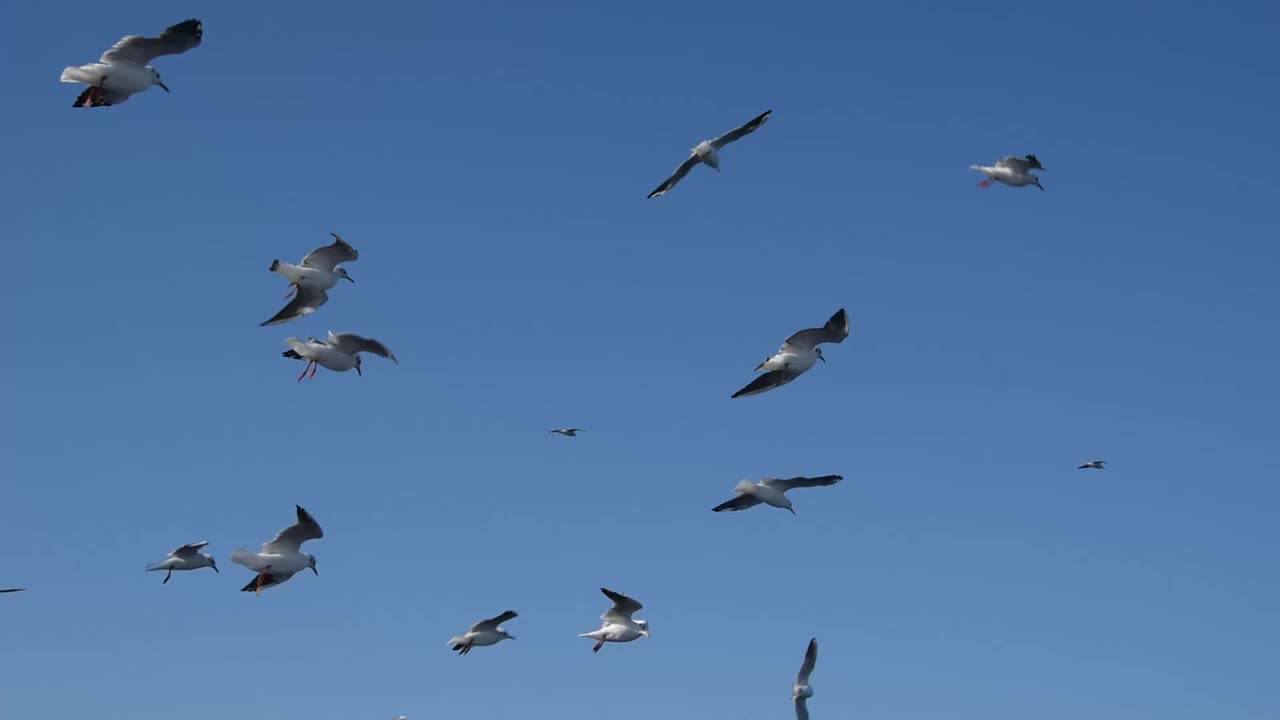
485	632
772	491
187	557
1014	171
339	352
567	432
708	151
124	69
317	273
797	354
282	557
802	691
1093	465
618	625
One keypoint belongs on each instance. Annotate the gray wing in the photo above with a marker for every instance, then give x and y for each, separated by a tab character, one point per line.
135	49
802	482
304	302
291	538
836	330
1020	165
676	176
802	710
189	550
328	257
739	133
350	344
767	381
494	622
741	502
623	607
810	659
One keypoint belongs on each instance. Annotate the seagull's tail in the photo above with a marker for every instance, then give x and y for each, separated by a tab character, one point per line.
243	557
743	487
81	74
976	167
155	566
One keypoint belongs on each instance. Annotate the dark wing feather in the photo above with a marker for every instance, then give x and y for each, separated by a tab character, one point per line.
304	302
802	482
835	330
767	381
676	177
741	502
739	133
142	50
330	256
268	580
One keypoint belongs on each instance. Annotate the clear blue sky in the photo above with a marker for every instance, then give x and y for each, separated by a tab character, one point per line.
490	162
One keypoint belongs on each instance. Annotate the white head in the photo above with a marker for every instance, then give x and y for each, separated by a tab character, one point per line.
208	559
1035	180
155	78
644	627
505	634
312	563
818	351
342	273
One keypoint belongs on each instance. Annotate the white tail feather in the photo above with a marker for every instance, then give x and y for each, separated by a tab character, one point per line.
744	486
79	75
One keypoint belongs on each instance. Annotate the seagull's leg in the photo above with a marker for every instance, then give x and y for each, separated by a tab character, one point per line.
986	183
596	649
167	576
293	288
314	367
305	369
261	575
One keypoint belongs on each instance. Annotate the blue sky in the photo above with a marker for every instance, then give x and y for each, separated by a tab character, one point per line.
490	162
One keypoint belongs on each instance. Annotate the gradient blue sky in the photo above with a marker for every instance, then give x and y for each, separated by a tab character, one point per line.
490	161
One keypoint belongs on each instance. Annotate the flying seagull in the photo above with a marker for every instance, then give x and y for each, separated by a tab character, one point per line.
708	151
567	432
318	272
339	353
1093	465
124	70
802	691
771	491
282	556
797	354
1011	170
618	626
187	557
485	632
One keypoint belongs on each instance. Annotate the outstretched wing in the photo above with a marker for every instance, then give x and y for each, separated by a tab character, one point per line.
676	176
9	590
304	302
741	502
623	607
290	539
767	381
350	344
189	550
741	132
493	623
802	482
802	710
836	330
138	50
810	659
1020	165
330	256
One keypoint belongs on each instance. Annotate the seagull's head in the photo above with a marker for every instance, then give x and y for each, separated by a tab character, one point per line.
358	365
342	273
506	634
155	78
312	563
1036	181
644	627
213	564
818	351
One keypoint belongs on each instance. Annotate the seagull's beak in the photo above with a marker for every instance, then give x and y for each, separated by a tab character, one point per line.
314	570
166	87
348	277
822	358
361	375
510	636
215	568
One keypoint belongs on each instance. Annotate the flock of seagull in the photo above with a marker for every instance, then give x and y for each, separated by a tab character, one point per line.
124	70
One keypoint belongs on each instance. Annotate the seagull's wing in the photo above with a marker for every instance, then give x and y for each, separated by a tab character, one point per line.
189	550
741	502
493	623
836	330
810	659
350	344
328	257
802	710
138	50
9	590
1015	164
291	538
268	580
622	610
767	381
737	134
676	176
304	302
786	484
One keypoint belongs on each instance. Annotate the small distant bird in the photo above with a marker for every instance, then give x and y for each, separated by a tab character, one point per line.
1014	171
339	353
187	557
282	557
797	354
708	151
618	625
771	491
567	432
802	691
1093	465
124	69
318	272
9	590
485	632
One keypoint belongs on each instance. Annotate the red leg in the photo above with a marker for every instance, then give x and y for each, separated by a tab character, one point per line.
261	575
596	649
305	369
986	183
314	367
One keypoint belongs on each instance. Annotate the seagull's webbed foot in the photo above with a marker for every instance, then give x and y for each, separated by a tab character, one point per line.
167	576
314	367
261	575
596	649
305	369
986	183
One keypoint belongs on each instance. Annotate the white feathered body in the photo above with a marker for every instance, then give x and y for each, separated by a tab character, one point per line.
125	78
305	276
1005	175
764	493
323	354
280	563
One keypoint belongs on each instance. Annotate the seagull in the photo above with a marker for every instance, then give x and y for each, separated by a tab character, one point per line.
1011	171
618	625
9	590
318	272
771	491
187	557
485	632
1093	465
282	556
339	352
802	691
567	432
123	69
708	151
797	354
